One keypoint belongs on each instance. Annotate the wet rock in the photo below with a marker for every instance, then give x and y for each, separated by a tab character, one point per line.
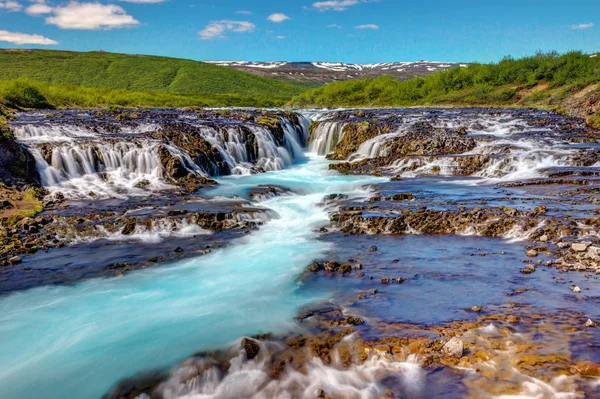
129	227
373	249
576	289
178	249
590	323
385	280
532	253
588	369
580	247
476	309
15	260
528	269
455	348
251	348
177	212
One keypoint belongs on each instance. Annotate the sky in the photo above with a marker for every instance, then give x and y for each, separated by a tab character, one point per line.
353	31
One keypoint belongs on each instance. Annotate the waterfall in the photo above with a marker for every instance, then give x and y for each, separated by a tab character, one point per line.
110	169
325	137
94	160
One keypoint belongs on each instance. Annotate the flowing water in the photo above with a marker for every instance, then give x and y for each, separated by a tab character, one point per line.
67	341
78	339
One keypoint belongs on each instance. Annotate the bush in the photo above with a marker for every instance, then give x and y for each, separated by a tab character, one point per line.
23	94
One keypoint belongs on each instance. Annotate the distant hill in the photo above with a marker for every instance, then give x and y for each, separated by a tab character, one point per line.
318	73
138	73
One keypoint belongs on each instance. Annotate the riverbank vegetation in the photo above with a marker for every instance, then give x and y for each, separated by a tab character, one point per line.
547	80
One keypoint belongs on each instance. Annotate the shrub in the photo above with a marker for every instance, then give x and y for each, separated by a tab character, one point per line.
23	94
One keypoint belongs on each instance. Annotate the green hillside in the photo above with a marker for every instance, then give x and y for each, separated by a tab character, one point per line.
547	80
138	73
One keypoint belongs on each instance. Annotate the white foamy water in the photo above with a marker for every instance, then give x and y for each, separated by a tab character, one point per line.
253	380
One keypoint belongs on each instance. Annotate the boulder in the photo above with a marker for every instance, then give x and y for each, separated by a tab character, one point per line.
455	348
251	348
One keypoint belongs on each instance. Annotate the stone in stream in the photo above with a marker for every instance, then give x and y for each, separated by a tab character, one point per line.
588	369
251	348
455	348
373	249
590	323
129	227
15	260
532	253
580	246
576	290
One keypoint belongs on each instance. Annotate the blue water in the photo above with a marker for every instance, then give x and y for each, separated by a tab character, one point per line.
77	341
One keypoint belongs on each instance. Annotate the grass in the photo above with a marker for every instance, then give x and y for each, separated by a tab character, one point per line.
29	94
143	75
478	84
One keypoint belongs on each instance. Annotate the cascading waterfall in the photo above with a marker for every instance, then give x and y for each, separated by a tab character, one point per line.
80	162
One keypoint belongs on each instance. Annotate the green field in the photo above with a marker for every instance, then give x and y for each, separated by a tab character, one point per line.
140	73
543	80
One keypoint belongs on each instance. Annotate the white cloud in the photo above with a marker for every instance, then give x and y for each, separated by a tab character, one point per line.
217	29
24	38
278	18
244	12
338	5
280	37
144	1
39	8
91	16
582	26
335	26
367	26
10	5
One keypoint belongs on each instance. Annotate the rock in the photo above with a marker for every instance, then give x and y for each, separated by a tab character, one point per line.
544	238
455	348
528	269
385	280
129	227
178	249
373	249
576	290
590	323
251	348
532	253
476	309
593	253
176	212
15	260
580	246
588	369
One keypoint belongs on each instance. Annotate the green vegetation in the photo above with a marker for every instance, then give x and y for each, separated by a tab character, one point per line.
543	79
133	79
71	96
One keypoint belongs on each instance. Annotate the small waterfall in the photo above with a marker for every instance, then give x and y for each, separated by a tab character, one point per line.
110	169
325	137
50	133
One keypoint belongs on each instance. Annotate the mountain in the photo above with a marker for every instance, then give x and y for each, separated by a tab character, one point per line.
138	73
317	73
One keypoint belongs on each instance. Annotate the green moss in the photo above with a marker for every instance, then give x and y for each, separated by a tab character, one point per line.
29	206
270	122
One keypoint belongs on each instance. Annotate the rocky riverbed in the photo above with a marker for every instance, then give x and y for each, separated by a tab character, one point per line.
310	254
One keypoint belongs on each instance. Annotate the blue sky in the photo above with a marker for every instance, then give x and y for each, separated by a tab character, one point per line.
361	31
